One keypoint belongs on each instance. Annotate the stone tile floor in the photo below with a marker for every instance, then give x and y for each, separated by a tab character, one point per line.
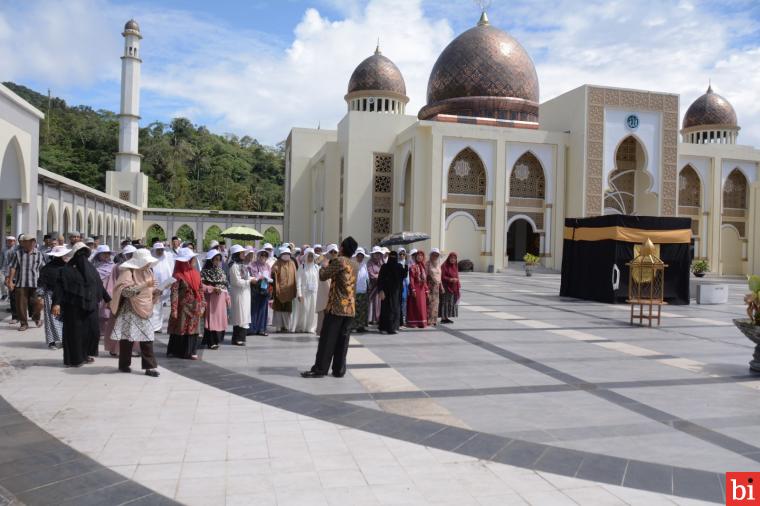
520	369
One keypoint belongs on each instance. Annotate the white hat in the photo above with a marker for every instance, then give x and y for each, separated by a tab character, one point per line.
360	251
211	254
375	249
332	247
59	251
435	250
213	244
158	245
283	250
140	259
185	255
412	252
236	248
308	251
402	249
89	240
103	248
27	237
317	246
10	238
385	250
128	249
266	246
77	247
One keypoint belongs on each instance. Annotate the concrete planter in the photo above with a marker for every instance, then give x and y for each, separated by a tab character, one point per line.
752	331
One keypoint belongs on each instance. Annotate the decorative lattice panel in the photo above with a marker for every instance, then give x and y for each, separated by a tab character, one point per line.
527	179
538	218
478	214
382	196
622	180
740	226
735	191
467	174
124	195
689	187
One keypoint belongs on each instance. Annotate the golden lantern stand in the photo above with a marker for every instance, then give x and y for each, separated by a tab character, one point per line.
646	284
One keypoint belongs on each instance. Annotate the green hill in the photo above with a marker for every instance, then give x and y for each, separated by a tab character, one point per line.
188	166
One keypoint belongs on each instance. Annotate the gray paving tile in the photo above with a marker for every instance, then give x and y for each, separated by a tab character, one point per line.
649	476
602	469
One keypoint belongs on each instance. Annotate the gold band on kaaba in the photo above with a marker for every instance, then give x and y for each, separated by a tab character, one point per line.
628	234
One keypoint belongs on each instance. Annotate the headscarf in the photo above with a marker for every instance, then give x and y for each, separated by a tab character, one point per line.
50	272
81	283
142	302
434	269
104	267
418	269
213	275
259	268
392	274
450	275
185	272
373	265
284	273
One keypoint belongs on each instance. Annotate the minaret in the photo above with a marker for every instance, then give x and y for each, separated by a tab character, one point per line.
127	182
128	158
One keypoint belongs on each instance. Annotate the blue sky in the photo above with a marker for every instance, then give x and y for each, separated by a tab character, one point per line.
259	67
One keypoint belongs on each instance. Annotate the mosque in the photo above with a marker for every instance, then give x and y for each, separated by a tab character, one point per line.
490	172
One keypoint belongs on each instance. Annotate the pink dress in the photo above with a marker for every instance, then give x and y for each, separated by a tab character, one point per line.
216	309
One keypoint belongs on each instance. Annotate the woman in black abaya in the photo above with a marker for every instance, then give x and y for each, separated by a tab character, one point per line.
390	282
76	299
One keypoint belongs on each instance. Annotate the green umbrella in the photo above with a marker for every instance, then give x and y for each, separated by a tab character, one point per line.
242	234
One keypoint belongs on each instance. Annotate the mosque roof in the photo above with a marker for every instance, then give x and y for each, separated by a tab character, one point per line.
710	109
132	25
484	71
377	73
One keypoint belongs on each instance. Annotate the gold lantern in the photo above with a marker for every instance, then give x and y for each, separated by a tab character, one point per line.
646	283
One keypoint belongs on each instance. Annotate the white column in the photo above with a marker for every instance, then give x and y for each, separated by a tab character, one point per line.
489	210
18	215
548	228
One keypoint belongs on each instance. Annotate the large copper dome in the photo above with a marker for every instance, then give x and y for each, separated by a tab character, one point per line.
377	73
484	72
710	109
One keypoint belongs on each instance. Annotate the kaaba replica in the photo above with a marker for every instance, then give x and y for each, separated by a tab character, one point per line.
596	251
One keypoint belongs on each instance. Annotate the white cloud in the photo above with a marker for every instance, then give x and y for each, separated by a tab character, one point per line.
260	84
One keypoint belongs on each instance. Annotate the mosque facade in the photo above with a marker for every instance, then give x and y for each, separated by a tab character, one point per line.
490	172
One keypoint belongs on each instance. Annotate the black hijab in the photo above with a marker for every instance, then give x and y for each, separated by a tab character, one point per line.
50	272
81	282
392	274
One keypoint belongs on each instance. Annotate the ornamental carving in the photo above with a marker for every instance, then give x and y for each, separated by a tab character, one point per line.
595	131
656	101
527	178
467	174
689	187
596	114
669	173
670	120
670	103
627	99
478	214
611	97
641	100
382	196
735	191
596	96
595	149
538	218
594	168
668	207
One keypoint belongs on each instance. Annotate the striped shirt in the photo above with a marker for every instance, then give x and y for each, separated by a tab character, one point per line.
27	266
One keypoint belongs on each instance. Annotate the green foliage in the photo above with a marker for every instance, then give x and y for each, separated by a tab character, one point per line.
155	233
752	299
185	233
187	166
214	233
699	266
530	259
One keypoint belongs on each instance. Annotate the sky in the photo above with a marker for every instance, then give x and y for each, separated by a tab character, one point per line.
261	67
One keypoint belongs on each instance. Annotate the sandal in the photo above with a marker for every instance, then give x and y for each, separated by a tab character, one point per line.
152	372
38	323
194	357
23	328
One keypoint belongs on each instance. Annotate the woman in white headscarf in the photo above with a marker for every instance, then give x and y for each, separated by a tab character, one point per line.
307	283
240	293
162	272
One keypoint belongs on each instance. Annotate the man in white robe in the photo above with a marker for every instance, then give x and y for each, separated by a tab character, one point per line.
162	272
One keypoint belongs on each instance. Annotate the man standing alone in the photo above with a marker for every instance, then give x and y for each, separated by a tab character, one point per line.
339	314
24	270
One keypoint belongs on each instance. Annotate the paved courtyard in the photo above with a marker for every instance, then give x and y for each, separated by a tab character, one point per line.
528	398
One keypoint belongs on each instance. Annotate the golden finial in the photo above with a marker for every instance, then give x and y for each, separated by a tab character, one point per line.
483	21
377	49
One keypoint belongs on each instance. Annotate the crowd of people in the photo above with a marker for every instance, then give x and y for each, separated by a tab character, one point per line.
83	292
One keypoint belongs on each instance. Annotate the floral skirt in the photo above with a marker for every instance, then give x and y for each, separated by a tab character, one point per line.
362	311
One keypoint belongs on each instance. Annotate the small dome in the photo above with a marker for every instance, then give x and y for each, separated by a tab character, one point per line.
132	25
484	72
710	109
377	73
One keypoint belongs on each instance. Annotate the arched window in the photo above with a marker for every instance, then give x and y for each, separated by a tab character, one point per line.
214	233
272	236
155	233
467	174
689	188
527	179
735	191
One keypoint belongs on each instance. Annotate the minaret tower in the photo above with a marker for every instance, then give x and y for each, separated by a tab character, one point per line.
127	183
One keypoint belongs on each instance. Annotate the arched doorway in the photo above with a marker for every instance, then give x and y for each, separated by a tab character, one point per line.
731	251
66	222
90	224
629	183
272	236
522	238
79	223
463	236
467	183
213	233
52	222
155	233
734	229
407	218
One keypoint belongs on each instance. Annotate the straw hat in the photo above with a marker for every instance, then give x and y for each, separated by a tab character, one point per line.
185	255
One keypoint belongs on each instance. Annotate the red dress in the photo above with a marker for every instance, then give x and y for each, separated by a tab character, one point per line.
416	304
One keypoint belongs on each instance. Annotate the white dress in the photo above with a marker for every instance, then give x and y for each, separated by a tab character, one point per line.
307	284
162	271
240	293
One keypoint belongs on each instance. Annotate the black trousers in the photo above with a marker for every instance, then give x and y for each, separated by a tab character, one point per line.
146	351
333	344
238	334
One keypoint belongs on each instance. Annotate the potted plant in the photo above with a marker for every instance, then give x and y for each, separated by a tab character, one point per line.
750	327
530	262
700	268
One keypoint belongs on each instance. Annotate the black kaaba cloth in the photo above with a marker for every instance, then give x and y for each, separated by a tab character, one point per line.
596	251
